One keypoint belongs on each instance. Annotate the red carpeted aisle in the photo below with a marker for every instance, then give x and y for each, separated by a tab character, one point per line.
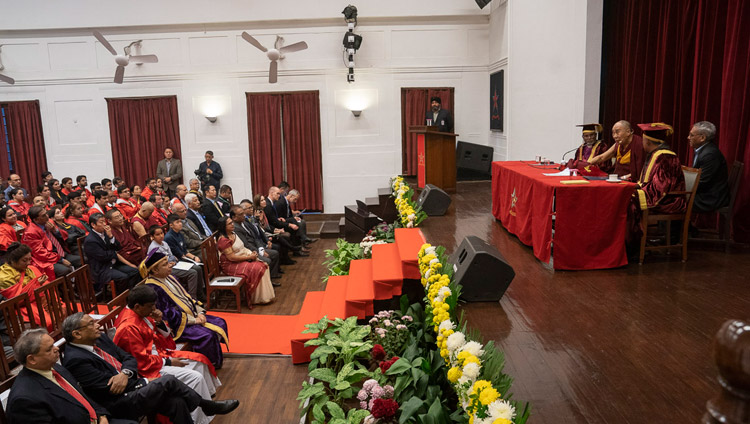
349	295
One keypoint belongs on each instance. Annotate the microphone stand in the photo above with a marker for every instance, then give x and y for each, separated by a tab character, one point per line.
569	151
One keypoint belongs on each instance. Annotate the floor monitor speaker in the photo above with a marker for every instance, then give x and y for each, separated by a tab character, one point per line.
433	200
475	157
482	271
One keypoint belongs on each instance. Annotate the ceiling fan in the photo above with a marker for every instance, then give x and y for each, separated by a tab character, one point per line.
5	78
276	53
122	60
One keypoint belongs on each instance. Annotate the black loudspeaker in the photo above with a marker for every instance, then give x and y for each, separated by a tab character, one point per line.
481	270
433	200
474	157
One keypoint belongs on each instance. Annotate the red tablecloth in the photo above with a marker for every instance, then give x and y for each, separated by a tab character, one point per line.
590	222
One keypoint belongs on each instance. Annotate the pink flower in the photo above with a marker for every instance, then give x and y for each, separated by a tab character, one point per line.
369	384
362	395
378	392
363	405
388	391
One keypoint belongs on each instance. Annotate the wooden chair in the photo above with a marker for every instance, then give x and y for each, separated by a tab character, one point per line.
145	241
213	278
726	224
120	300
79	242
108	321
56	299
15	321
82	289
692	178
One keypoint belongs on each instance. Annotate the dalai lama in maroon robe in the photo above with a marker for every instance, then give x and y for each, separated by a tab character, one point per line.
661	174
627	151
185	315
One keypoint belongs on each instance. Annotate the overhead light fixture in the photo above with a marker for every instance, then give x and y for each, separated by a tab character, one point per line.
482	3
212	119
356	113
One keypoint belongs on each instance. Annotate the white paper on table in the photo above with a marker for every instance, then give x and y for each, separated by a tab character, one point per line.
182	265
564	173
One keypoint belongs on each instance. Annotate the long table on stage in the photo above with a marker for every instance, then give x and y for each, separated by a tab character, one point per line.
590	219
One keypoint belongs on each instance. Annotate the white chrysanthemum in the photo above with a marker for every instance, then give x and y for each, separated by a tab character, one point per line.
434	261
456	341
443	293
471	370
501	409
463	379
487	420
427	274
430	250
446	325
409	224
474	348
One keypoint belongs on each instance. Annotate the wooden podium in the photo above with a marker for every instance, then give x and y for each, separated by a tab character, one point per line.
436	153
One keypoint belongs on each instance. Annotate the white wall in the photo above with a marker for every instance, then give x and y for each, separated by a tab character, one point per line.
499	61
554	51
71	76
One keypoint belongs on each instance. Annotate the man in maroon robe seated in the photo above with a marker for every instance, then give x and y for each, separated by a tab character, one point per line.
627	151
661	174
592	146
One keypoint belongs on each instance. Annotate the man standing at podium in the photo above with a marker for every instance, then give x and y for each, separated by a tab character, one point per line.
439	117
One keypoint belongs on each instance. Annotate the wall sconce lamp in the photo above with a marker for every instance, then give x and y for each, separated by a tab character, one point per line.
356	113
212	119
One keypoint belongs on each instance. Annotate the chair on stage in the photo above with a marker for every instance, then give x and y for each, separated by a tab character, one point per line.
651	221
726	224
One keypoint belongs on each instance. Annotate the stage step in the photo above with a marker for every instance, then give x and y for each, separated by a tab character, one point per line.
372	201
308	314
330	229
387	272
334	299
360	290
315	228
409	241
342	227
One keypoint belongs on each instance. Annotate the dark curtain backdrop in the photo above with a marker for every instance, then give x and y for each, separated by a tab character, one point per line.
140	130
4	165
26	143
264	129
682	61
415	102
301	112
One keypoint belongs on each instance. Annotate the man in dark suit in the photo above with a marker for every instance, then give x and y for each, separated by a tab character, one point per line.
211	207
285	212
169	170
713	189
101	247
109	376
192	233
274	193
248	233
45	392
195	214
439	117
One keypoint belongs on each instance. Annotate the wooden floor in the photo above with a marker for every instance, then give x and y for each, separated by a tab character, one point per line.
628	345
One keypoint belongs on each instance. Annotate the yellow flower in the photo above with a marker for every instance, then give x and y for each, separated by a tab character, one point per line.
470	359
444	353
454	374
502	421
488	395
463	355
480	385
471	420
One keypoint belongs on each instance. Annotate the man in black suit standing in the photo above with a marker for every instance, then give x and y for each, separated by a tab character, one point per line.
439	117
109	375
45	392
106	264
713	189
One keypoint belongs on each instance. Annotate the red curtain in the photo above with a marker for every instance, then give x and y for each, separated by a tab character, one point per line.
4	165
682	61
26	143
301	112
140	130
264	128
415	102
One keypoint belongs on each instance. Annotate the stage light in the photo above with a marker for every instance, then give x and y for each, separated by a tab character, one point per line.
350	14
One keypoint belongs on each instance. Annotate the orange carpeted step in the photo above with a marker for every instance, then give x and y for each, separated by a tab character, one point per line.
309	314
387	272
334	299
409	241
258	334
360	290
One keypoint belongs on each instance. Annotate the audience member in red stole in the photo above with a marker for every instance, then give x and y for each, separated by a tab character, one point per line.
9	225
160	213
125	203
17	201
46	195
101	198
73	232
136	195
39	201
67	186
130	249
74	216
117	182
160	188
180	193
149	188
144	219
18	276
56	193
81	183
47	245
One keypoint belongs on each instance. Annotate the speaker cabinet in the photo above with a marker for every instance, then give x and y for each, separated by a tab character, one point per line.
482	271
433	200
474	157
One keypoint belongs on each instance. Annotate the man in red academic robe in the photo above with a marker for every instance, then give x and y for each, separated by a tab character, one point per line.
627	151
46	242
661	174
592	146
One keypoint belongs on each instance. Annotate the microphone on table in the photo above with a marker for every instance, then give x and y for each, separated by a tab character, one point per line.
569	151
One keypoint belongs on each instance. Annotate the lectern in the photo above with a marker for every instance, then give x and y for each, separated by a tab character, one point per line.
436	153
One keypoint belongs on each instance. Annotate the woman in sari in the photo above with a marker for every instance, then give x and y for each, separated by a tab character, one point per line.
56	193
74	232
18	276
9	225
238	261
135	196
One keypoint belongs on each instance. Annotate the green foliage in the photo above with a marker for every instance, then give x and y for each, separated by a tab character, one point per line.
341	256
384	231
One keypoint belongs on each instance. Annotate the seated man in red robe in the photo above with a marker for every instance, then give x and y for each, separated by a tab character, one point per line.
131	250
627	151
144	219
141	331
591	147
661	174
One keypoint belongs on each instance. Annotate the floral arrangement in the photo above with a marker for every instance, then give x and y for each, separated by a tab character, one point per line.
367	243
378	400
410	215
389	330
464	358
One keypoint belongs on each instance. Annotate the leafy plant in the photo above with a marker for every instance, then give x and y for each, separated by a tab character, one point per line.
341	257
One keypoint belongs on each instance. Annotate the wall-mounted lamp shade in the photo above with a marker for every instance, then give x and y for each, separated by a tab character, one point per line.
356	113
212	119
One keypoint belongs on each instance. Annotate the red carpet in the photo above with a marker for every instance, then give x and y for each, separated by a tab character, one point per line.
378	278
